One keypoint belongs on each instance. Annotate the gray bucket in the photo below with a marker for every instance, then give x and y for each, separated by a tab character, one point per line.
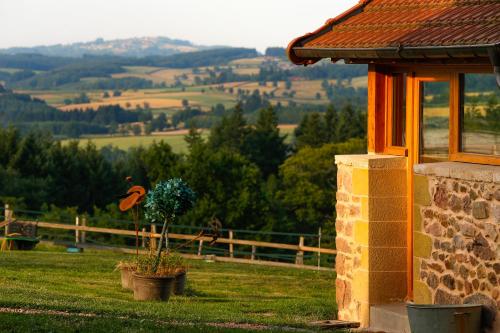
427	318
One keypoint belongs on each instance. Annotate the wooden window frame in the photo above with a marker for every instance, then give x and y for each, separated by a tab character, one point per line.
389	148
455	130
382	97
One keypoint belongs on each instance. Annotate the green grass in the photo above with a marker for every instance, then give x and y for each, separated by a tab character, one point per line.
175	141
125	142
60	292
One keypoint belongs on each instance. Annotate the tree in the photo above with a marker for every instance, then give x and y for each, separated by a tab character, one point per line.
105	95
228	186
159	123
185	103
264	145
160	161
193	138
311	131
331	124
117	93
136	129
351	124
309	185
230	132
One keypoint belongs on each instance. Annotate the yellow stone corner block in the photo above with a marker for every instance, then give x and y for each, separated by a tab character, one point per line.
416	269
421	192
421	293
364	314
422	245
365	258
361	286
383	209
417	218
387	183
361	233
365	208
360	181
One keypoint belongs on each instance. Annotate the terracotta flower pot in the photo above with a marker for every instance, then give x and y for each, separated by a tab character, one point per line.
126	277
152	288
180	283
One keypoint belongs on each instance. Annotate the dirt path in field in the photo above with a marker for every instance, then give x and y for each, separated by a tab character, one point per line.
243	326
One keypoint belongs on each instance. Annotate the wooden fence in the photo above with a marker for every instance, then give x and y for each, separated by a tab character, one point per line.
80	228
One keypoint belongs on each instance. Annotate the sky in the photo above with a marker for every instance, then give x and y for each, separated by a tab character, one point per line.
243	23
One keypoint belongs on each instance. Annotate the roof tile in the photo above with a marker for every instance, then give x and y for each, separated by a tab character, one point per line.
410	23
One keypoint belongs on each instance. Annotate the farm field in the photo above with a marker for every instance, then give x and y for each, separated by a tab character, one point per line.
174	139
203	97
50	290
198	95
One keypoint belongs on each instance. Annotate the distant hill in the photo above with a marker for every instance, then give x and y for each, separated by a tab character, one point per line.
130	47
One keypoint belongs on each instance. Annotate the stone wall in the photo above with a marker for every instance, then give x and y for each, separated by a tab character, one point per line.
457	234
371	233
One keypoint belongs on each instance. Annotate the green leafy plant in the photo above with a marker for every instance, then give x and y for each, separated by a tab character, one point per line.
170	264
166	202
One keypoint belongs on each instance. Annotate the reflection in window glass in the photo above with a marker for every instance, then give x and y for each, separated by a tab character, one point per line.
399	109
480	114
435	117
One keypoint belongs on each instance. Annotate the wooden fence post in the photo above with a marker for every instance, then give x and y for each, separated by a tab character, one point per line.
299	259
153	239
77	232
8	218
231	246
254	251
143	237
83	234
319	248
200	247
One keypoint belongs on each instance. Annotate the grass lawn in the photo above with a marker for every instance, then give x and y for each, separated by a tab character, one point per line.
176	141
44	291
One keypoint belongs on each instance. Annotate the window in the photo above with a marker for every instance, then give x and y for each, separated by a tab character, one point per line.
436	113
479	114
435	121
398	134
395	136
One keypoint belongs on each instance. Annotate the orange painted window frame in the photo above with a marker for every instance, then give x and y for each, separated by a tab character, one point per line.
380	109
389	148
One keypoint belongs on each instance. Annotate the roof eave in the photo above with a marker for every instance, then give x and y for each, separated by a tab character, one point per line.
311	55
300	41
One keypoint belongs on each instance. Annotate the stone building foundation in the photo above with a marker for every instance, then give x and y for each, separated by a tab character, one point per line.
371	233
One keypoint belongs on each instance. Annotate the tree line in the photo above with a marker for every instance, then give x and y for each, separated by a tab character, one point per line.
246	175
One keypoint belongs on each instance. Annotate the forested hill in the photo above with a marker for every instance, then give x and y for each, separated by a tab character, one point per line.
132	47
43	72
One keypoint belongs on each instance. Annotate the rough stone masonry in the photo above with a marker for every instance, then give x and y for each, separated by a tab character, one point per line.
457	234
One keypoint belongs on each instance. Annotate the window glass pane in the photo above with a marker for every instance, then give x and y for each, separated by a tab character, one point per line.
399	109
480	114
435	117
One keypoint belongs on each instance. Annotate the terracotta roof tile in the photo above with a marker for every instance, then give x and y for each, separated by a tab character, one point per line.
407	23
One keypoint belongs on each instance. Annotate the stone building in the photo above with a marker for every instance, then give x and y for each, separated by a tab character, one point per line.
418	217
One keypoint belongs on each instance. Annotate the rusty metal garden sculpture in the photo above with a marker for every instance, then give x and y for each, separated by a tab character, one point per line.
132	201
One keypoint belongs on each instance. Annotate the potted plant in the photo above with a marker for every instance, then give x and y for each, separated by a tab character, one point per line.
156	273
179	266
126	269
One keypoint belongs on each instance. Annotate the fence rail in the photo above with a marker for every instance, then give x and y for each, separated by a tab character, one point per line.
81	229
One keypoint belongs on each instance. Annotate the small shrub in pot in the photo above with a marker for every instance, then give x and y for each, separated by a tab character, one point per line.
155	274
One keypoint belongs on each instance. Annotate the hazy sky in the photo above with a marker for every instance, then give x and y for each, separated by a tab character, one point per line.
249	23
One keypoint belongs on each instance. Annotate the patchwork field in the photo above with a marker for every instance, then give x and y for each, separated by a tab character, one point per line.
43	291
175	139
